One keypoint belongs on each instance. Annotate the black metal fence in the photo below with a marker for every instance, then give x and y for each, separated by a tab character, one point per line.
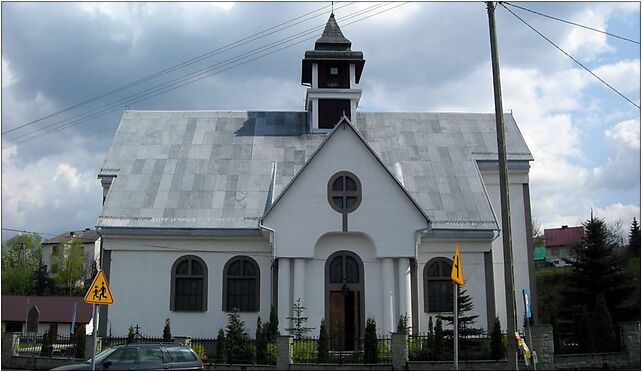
138	338
47	345
306	351
569	340
425	347
228	352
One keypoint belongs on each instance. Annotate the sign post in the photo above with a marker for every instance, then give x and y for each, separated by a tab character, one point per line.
98	293
529	314
457	276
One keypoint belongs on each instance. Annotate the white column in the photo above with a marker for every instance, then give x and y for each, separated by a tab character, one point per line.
285	302
388	269
353	76
405	297
299	280
315	113
315	75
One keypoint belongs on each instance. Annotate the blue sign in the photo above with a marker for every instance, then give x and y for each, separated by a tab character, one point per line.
527	303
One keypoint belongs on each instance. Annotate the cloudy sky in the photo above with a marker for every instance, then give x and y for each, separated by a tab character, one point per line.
420	57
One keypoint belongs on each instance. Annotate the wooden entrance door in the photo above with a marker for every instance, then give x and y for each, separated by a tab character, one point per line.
345	319
344	300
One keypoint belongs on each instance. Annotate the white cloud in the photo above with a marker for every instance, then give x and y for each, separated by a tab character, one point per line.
623	75
626	132
47	195
582	43
621	170
619	212
7	77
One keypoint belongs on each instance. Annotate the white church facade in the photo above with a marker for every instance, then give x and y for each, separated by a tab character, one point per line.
354	213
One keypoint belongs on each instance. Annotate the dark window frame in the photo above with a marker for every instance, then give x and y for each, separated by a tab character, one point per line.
203	276
344	193
257	277
443	276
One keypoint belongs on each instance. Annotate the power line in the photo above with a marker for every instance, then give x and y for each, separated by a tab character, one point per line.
235	44
27	232
571	23
571	57
140	95
177	83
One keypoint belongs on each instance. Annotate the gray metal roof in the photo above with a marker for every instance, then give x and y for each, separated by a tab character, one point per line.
218	169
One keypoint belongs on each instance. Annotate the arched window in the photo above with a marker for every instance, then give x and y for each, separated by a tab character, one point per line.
344	192
241	284
438	288
189	285
344	269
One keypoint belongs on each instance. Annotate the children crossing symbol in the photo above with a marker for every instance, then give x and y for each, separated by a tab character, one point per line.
98	292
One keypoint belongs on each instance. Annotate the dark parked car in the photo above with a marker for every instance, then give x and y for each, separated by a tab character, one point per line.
165	356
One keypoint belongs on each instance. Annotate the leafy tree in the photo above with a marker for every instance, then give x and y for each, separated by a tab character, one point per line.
130	335
20	259
634	239
271	327
497	349
597	284
430	341
221	349
438	342
69	264
43	284
536	234
261	342
48	340
167	332
324	343
370	343
402	324
464	322
237	340
299	330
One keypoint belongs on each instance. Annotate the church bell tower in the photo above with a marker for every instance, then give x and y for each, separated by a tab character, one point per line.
331	71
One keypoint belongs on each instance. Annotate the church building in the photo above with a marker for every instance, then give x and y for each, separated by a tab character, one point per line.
355	214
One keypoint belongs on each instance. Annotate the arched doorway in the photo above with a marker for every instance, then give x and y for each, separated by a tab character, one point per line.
344	310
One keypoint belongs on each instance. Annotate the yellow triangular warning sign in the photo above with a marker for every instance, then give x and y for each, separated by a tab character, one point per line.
98	292
457	273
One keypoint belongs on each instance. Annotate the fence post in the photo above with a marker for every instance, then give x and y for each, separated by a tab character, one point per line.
10	344
544	346
89	344
630	335
283	353
185	340
399	348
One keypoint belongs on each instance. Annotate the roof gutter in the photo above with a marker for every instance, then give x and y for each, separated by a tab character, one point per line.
272	239
177	231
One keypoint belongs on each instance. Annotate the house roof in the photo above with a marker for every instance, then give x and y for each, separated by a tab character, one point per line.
52	309
85	236
214	169
563	236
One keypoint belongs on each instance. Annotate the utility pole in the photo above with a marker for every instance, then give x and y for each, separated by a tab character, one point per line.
503	190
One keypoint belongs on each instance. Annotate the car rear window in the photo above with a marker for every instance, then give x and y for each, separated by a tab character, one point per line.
181	354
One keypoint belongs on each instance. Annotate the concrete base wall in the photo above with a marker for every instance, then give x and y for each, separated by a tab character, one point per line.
481	365
597	361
